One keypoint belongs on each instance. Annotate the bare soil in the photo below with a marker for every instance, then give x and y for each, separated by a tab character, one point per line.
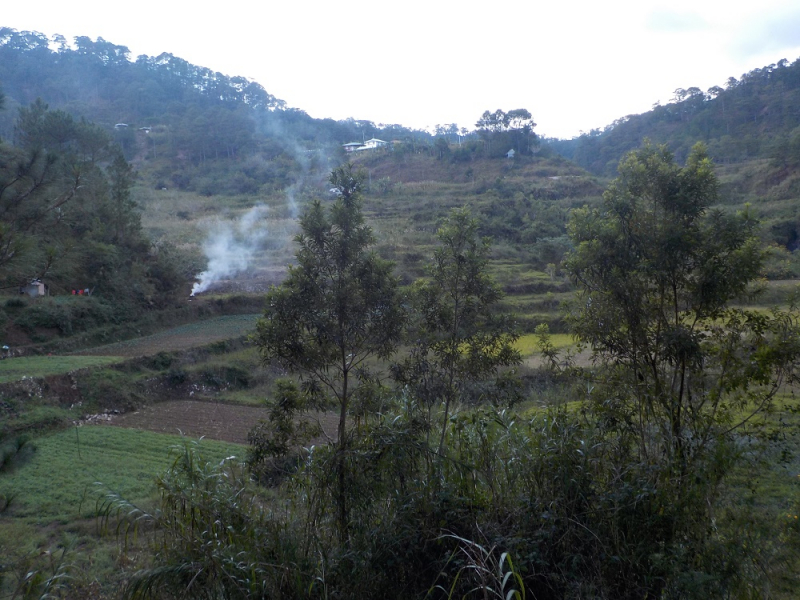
213	420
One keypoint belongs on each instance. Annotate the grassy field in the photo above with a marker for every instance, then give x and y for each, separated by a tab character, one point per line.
528	344
14	369
48	504
66	472
181	338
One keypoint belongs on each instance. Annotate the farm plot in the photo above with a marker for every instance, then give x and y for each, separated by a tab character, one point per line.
180	338
225	422
531	355
70	469
14	369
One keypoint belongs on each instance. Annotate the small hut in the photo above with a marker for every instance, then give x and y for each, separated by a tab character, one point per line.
34	289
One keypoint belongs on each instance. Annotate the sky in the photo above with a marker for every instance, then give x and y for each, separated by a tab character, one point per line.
575	65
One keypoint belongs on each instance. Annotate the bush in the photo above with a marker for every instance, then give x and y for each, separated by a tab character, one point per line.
16	303
67	315
14	451
578	514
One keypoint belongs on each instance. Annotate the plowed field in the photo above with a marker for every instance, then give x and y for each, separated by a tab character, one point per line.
226	422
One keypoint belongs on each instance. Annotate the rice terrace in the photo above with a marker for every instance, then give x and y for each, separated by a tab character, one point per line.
180	338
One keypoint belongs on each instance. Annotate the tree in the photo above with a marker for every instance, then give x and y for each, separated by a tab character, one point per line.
66	213
677	372
34	189
124	223
338	307
657	270
459	341
442	147
502	131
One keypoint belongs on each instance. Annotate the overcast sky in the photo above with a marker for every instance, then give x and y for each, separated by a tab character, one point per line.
576	65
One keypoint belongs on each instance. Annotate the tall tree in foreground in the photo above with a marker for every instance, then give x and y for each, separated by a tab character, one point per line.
678	372
657	270
338	308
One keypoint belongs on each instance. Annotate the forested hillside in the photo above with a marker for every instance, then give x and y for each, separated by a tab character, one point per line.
191	133
751	128
755	116
68	216
198	130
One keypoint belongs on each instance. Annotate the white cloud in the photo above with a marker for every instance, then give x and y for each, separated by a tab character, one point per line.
668	21
769	33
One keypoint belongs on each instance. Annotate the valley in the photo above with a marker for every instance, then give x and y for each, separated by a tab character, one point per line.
461	362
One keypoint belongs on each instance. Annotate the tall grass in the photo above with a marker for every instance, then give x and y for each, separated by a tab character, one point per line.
579	517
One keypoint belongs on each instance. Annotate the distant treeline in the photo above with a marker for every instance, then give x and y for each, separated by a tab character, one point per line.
176	114
755	116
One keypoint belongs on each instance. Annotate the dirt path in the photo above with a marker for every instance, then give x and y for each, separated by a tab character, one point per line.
226	422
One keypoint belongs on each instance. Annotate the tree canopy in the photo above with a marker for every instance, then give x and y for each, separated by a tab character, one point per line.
338	307
657	270
504	131
750	117
66	214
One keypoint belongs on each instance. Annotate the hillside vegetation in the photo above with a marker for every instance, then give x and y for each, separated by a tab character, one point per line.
751	127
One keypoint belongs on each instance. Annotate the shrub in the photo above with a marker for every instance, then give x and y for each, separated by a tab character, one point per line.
16	303
14	451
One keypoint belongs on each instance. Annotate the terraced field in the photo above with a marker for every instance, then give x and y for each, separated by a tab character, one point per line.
210	420
14	369
180	338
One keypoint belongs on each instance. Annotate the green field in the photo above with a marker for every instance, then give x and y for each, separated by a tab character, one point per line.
181	338
68	471
528	344
14	369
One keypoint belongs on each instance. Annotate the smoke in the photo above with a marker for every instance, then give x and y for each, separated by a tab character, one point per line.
291	201
247	245
231	247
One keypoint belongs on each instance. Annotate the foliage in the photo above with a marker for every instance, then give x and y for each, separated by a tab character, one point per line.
677	370
458	342
656	274
68	215
746	119
13	452
493	577
215	541
503	131
338	307
272	440
39	576
67	315
199	129
550	491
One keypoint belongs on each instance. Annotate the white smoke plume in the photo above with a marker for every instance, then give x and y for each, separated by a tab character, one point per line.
231	247
291	202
